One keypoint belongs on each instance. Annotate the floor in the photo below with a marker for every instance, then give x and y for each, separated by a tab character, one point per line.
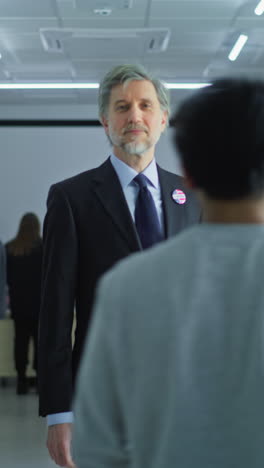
22	431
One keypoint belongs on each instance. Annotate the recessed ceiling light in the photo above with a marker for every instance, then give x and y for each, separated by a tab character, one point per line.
259	8
186	85
238	47
49	85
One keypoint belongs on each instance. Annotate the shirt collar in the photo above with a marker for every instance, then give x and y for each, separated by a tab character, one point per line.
126	173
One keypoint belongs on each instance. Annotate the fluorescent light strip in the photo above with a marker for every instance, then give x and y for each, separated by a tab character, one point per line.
186	85
238	47
88	85
260	8
49	85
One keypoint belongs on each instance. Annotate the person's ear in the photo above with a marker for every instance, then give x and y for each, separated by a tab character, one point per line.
164	120
105	124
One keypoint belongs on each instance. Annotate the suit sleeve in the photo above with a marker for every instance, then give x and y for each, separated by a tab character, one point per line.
99	437
59	273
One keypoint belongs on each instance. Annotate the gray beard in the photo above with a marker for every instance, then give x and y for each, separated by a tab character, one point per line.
131	147
135	148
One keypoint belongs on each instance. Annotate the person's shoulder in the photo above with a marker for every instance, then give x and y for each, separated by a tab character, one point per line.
170	175
173	179
151	264
139	281
82	179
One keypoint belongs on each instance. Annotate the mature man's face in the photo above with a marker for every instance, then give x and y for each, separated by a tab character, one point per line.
135	120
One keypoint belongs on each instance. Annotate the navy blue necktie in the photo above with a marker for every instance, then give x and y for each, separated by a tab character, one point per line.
146	217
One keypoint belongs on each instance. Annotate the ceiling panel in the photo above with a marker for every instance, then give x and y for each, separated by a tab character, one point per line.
25	25
27	41
116	48
182	27
197	3
102	3
247	24
38	59
194	9
27	8
249	62
3	74
246	10
184	72
77	9
42	74
111	23
93	70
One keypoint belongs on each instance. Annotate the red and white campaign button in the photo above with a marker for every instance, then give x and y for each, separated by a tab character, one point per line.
178	196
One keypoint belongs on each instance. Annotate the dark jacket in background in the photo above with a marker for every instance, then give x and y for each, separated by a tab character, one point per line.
24	282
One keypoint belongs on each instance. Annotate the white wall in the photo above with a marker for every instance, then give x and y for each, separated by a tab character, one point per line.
32	158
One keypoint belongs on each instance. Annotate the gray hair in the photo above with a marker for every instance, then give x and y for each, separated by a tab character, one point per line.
123	74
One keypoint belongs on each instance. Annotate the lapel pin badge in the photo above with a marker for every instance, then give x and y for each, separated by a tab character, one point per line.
178	196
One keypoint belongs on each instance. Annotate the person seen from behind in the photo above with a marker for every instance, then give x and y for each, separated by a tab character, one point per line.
24	258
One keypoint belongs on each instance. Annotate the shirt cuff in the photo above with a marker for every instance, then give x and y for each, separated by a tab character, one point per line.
60	418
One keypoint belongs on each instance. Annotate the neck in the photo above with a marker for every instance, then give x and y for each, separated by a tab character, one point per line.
137	162
248	211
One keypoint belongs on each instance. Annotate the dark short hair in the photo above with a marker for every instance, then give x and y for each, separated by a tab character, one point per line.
219	132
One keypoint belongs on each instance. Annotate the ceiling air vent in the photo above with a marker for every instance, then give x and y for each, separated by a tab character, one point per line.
146	40
102	11
107	4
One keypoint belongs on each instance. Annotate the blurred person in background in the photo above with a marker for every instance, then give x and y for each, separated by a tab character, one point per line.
24	259
3	302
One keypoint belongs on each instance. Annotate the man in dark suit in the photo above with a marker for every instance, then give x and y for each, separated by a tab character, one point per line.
90	225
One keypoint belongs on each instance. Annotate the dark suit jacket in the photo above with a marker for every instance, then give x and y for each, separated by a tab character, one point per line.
87	229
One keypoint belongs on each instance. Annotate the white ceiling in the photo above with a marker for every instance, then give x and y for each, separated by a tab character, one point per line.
202	34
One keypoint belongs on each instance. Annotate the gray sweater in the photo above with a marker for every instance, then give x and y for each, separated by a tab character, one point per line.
173	369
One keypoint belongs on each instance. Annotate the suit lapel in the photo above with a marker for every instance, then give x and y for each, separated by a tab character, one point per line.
109	191
174	214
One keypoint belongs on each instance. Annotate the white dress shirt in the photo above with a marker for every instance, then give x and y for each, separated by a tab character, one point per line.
126	174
